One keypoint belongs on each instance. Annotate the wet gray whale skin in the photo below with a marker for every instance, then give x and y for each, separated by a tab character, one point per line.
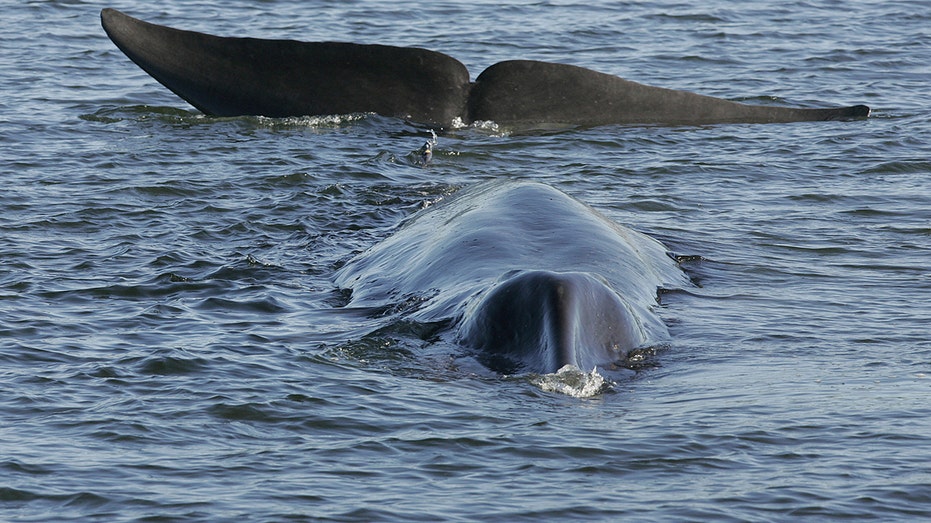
228	76
530	278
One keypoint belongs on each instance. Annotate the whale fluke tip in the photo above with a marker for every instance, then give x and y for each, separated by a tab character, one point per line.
860	111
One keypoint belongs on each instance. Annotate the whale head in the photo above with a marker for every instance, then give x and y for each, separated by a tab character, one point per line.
540	321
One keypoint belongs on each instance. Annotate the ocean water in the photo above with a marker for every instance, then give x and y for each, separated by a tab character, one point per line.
173	345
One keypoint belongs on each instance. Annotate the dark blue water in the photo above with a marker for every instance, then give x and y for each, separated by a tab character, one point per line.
173	347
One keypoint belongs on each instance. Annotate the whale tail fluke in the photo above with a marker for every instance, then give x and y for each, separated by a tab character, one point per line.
226	76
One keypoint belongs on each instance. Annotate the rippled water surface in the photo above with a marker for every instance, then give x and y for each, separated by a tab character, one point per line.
173	345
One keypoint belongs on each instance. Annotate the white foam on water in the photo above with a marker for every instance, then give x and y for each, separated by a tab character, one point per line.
572	381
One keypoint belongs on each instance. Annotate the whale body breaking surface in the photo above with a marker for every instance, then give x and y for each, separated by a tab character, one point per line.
529	278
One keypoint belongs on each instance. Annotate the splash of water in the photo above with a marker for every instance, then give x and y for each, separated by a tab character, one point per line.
572	381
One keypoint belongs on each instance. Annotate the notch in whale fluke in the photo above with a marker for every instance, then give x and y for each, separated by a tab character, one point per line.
229	76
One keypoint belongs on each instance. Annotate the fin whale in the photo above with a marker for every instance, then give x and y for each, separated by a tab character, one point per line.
229	76
527	278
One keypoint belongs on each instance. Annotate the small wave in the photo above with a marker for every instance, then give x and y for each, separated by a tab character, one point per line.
572	381
242	412
170	363
900	167
116	114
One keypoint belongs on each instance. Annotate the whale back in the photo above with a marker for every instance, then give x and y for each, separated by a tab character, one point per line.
450	257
